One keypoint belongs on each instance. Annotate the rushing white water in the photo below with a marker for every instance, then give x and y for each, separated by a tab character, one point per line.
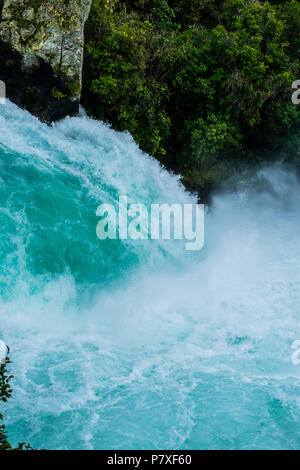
125	344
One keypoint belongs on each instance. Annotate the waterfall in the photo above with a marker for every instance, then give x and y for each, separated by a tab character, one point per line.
123	344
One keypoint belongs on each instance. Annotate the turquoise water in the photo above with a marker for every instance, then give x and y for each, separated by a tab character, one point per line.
142	345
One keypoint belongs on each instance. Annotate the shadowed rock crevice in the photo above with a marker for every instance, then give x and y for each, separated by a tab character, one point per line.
33	88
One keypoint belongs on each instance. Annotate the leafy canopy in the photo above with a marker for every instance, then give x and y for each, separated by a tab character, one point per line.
202	85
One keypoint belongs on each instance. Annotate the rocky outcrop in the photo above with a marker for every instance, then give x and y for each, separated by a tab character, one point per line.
41	54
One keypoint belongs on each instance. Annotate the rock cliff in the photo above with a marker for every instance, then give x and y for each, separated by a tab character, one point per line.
41	54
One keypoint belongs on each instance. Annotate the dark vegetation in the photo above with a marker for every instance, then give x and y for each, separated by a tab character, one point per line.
5	394
202	85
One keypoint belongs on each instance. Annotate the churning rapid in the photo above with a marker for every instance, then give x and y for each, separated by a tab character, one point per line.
141	344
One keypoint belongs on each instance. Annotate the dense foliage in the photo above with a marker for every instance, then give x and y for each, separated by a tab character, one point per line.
203	85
